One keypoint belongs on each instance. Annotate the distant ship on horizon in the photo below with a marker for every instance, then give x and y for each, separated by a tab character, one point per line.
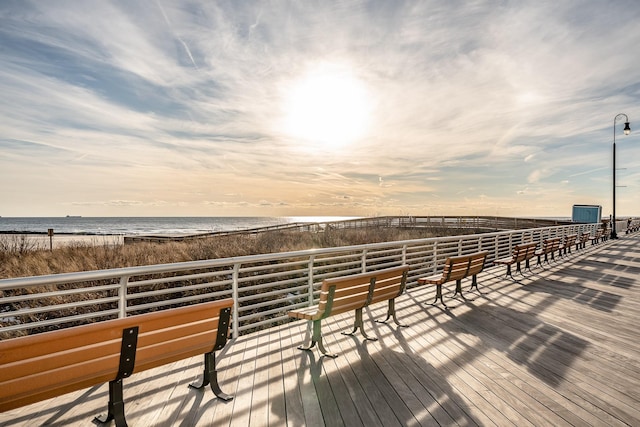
74	216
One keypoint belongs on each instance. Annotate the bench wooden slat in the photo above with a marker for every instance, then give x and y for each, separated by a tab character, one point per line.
21	348
22	391
148	357
388	285
476	265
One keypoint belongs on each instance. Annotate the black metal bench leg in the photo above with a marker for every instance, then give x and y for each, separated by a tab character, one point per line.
317	338
116	405
474	284
459	289
391	312
210	377
509	274
439	296
357	323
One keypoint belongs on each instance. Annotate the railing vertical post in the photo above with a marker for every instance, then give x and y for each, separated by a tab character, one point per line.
435	257
122	294
235	327
310	278
404	253
363	261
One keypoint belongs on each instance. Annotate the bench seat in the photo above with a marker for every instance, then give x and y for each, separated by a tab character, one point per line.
456	268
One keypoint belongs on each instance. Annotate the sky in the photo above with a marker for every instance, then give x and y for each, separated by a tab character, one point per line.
294	108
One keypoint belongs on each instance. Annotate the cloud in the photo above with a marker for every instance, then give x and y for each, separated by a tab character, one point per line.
184	103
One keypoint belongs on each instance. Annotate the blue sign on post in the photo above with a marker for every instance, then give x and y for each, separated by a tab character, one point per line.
588	214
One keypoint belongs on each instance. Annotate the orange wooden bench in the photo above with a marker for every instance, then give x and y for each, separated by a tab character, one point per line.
521	253
457	268
353	292
46	365
549	248
565	245
597	237
581	243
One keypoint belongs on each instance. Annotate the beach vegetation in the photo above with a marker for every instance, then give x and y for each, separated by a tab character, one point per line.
20	257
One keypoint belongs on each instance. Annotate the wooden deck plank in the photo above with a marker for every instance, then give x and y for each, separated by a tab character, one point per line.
240	412
173	409
361	412
397	371
310	401
231	368
460	409
355	349
554	347
259	415
276	391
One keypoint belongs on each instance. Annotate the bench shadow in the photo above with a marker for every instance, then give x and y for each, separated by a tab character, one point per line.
569	286
383	386
545	350
59	411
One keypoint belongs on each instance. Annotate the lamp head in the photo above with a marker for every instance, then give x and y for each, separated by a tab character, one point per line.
627	129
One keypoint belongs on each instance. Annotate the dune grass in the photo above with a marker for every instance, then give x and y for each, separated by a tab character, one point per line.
20	258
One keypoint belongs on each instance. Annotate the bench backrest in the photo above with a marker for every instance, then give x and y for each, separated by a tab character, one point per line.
524	251
41	366
459	267
477	262
551	245
570	239
348	293
584	237
531	250
390	283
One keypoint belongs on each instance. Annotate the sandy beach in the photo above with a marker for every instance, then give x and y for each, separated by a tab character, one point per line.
42	241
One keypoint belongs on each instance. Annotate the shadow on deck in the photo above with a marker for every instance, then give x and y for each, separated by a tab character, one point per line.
558	346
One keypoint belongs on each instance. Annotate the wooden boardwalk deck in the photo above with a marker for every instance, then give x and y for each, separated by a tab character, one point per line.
558	347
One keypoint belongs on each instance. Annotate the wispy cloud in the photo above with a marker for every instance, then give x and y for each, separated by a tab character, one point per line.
476	108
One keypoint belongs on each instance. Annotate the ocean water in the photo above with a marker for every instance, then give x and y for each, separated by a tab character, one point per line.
145	225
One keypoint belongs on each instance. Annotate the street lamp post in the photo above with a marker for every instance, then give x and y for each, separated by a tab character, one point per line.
627	131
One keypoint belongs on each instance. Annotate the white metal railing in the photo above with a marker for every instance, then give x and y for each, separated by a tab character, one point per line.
264	287
622	225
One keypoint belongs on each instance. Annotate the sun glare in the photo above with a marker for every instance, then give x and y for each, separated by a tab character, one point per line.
327	106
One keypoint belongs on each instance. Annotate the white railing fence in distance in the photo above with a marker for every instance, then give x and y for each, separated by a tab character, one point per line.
264	287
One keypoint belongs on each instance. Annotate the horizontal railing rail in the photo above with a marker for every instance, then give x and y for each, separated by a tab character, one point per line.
264	287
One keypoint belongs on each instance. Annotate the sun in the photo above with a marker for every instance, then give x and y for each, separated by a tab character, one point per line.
329	105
